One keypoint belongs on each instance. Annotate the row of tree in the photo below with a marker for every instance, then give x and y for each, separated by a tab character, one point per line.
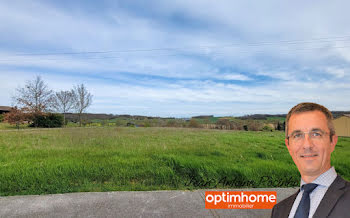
35	99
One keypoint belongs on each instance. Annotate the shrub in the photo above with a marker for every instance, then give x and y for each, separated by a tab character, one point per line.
254	125
193	124
48	120
281	126
171	123
1	118
17	116
119	123
223	124
104	123
147	124
85	122
267	129
245	127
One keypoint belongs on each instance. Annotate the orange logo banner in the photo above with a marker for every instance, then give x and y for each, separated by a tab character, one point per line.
240	199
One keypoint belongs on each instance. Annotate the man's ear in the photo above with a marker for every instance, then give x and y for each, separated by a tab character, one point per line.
286	141
334	141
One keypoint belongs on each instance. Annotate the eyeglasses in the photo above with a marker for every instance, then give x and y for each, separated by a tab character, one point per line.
314	135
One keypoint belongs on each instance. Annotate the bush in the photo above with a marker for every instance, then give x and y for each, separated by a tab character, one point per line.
104	123
267	129
171	123
147	124
245	127
254	125
1	118
119	123
17	117
86	122
48	120
223	124
281	126
193	124
175	123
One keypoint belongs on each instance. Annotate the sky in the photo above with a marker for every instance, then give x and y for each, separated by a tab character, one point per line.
180	58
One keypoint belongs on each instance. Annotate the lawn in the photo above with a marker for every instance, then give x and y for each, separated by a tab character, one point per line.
43	161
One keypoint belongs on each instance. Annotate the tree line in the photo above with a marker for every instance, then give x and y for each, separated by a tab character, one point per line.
36	103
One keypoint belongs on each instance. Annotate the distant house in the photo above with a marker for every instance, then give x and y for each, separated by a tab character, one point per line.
342	125
4	109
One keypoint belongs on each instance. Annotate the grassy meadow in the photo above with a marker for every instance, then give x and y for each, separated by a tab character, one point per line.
43	161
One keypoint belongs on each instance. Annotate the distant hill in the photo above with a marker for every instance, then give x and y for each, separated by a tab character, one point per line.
261	116
90	116
335	114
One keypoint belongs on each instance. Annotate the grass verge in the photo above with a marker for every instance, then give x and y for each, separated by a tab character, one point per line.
115	159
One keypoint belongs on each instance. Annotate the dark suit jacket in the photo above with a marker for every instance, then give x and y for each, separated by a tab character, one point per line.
335	202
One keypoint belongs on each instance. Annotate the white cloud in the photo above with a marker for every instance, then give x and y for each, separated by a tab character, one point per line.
236	77
278	75
337	72
217	39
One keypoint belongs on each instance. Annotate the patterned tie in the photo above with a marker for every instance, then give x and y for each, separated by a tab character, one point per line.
304	205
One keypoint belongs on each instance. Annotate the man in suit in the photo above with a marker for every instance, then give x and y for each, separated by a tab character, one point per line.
310	140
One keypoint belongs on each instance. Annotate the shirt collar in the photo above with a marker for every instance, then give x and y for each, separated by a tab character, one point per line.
325	179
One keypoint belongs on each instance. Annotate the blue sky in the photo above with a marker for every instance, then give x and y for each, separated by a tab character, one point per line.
181	58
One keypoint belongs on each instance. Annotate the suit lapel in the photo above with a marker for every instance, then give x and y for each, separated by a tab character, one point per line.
284	207
334	192
289	203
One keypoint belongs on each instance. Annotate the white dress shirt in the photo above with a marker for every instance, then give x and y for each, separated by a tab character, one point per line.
323	182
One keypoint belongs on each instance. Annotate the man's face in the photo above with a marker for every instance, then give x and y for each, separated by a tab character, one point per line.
312	155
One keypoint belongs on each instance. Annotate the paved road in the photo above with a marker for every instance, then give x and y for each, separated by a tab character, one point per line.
125	204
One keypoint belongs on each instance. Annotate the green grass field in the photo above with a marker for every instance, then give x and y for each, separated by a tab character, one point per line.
43	161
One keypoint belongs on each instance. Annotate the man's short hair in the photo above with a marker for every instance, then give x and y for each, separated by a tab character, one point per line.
308	106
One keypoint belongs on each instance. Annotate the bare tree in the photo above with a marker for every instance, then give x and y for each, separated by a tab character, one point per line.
82	99
63	102
35	96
